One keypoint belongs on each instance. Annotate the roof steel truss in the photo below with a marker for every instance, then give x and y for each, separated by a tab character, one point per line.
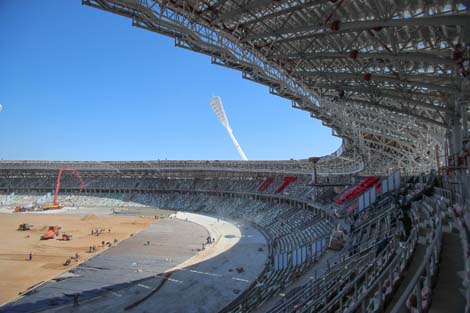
380	73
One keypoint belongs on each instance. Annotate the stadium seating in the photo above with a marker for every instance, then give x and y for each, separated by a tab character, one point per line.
287	180
354	192
265	184
381	242
378	255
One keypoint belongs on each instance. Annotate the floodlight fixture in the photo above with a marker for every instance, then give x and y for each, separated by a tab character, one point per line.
218	107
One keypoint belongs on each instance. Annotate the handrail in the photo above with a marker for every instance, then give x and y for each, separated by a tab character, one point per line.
329	275
417	274
314	285
386	271
374	218
411	240
403	251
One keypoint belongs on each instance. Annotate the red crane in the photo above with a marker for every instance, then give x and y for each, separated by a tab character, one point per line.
55	204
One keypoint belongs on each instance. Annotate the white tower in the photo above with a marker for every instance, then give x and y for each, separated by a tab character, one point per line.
217	106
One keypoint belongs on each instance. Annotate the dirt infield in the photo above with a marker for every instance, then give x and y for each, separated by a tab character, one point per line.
17	273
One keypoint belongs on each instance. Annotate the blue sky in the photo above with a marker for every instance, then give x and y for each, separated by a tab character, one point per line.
79	83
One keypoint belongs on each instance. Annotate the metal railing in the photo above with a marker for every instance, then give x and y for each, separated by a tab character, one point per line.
426	270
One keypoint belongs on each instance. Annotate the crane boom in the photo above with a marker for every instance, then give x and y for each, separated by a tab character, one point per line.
57	186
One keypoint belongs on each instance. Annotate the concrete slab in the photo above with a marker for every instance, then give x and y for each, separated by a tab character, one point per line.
206	282
171	243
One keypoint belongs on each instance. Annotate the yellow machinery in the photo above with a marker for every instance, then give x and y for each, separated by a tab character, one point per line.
52	206
56	205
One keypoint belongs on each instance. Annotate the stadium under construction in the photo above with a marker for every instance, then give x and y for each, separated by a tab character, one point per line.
381	225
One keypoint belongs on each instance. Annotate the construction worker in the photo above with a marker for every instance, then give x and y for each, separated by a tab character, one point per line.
75	299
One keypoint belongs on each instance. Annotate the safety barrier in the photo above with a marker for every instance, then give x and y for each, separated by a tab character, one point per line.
417	294
300	255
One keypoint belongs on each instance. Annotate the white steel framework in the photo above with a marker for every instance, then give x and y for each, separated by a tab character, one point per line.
390	77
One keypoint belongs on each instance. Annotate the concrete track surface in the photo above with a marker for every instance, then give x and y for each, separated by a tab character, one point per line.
172	274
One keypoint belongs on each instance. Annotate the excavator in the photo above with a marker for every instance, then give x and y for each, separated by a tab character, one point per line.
51	232
56	205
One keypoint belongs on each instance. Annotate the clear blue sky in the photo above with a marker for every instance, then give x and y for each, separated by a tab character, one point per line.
79	83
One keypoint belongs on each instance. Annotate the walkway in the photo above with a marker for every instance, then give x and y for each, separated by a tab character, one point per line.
447	295
417	258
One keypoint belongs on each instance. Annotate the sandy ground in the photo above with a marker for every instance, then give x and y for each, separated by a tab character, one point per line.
207	282
18	274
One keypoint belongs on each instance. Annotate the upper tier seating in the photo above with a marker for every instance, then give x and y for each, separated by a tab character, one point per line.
265	184
357	190
287	180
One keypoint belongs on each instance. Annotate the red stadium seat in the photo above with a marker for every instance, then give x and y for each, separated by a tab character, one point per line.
286	182
266	184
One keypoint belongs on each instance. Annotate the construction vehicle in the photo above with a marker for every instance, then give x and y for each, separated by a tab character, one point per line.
51	233
52	206
19	209
66	237
24	227
56	205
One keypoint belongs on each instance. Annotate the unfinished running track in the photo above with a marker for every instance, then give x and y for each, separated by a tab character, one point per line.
170	274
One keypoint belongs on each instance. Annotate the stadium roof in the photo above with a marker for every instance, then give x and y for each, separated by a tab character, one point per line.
387	76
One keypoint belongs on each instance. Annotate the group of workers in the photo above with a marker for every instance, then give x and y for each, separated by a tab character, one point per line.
91	249
97	232
67	261
209	240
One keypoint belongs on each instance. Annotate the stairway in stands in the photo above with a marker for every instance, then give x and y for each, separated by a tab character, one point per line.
448	295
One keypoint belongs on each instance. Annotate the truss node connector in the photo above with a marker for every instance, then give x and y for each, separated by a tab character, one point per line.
354	54
335	25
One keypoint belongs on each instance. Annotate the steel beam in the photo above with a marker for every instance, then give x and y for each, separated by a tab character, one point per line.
436	21
419	57
416	82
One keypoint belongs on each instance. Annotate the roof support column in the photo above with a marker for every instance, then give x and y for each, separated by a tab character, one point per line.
464	114
455	127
